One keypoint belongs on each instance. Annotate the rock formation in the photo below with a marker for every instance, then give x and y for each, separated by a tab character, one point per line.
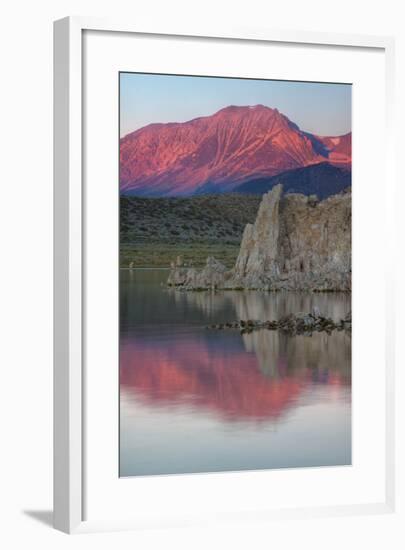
296	243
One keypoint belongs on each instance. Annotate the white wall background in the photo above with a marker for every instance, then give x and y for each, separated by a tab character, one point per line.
26	265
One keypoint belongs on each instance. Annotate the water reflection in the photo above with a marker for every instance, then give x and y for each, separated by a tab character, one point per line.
169	362
262	378
261	306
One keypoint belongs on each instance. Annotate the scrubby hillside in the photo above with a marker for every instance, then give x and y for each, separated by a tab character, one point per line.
154	230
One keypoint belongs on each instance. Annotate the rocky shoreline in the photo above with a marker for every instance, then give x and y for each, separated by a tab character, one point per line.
293	324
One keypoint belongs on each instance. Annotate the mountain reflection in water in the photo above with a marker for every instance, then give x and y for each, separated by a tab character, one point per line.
175	372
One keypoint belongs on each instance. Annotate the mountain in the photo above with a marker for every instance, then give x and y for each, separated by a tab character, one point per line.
321	179
339	149
217	153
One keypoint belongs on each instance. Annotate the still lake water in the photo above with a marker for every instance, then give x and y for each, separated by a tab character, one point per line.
198	400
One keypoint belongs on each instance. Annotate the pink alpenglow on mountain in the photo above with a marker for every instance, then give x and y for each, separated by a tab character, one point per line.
219	152
339	149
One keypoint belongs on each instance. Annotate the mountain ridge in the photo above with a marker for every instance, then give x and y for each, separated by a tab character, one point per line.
226	149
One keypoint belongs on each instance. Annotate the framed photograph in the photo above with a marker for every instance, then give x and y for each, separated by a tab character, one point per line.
223	307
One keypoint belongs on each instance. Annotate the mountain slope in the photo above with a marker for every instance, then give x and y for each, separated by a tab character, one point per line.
339	149
321	179
224	150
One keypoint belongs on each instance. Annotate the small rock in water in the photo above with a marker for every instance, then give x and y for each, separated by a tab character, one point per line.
292	324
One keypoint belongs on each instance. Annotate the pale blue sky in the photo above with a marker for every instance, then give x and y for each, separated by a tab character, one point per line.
319	108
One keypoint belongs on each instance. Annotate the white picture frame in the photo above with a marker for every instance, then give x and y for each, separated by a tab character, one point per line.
69	335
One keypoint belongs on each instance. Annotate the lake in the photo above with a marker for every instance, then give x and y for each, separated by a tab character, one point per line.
198	400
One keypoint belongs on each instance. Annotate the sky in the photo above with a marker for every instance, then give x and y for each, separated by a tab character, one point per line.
319	108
